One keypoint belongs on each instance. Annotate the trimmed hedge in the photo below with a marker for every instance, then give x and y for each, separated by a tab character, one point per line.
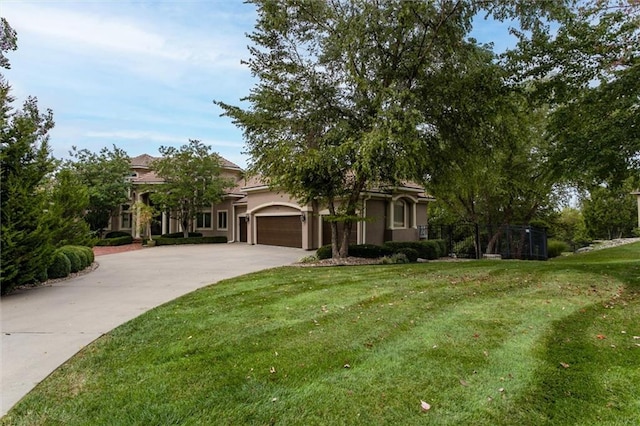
411	254
118	241
181	235
324	252
116	234
368	251
172	241
60	266
85	254
74	258
428	249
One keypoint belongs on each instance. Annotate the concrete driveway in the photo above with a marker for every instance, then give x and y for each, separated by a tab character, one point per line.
45	326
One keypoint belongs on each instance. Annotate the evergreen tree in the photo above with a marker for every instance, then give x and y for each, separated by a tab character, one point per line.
25	162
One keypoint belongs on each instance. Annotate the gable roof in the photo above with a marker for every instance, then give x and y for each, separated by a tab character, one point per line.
144	160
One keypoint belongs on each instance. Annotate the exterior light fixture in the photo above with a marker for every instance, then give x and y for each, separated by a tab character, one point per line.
303	218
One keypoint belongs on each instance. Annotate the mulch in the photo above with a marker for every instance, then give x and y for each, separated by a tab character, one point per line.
103	250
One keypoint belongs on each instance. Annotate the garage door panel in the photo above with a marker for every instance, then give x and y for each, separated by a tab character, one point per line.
283	231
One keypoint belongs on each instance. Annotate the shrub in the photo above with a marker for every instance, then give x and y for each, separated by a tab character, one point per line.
410	254
556	247
181	235
116	234
118	241
309	259
442	247
92	256
163	241
429	249
42	275
84	253
324	252
60	267
395	259
369	251
74	258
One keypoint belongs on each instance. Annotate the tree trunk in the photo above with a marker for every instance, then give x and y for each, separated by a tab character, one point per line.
346	234
335	253
185	228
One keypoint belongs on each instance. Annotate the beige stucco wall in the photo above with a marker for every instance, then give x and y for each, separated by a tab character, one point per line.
376	213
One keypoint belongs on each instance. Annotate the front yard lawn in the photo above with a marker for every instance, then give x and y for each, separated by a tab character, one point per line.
483	343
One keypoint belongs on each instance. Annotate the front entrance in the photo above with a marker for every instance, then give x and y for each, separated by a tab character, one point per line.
243	229
283	231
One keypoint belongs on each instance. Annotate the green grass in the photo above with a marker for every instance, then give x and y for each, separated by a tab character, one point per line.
483	342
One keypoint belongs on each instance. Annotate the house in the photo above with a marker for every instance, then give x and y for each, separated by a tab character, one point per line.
251	212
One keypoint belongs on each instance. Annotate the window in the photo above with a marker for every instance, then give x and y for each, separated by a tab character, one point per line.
222	219
203	220
126	217
399	214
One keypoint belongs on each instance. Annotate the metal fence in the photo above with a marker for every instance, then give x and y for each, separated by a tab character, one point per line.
474	241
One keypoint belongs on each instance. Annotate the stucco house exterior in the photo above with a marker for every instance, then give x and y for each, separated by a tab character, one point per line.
251	212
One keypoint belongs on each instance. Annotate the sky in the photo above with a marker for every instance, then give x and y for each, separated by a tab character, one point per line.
140	74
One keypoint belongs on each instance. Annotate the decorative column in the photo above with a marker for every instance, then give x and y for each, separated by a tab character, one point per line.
136	216
637	194
165	223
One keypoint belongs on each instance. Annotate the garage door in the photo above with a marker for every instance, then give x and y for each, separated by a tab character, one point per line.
279	231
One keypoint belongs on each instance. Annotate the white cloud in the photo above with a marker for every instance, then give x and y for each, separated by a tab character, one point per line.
116	35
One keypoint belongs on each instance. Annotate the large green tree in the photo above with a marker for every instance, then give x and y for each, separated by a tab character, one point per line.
192	181
67	202
589	70
348	92
105	174
25	162
610	212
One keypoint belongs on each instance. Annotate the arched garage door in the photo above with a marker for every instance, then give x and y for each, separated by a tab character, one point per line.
279	231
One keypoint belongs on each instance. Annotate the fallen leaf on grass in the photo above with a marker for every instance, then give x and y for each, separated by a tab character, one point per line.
424	406
601	336
464	382
636	337
564	364
272	370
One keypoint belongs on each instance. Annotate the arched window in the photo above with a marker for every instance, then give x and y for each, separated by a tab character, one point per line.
399	214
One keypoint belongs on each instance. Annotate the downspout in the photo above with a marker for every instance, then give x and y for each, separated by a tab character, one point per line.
233	224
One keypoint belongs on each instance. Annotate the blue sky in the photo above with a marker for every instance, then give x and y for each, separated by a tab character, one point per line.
140	74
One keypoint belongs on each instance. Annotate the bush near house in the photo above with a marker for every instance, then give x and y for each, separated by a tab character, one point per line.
410	254
117	241
116	234
172	241
181	235
430	249
368	251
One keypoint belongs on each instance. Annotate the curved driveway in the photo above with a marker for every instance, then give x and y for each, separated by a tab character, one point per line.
45	326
